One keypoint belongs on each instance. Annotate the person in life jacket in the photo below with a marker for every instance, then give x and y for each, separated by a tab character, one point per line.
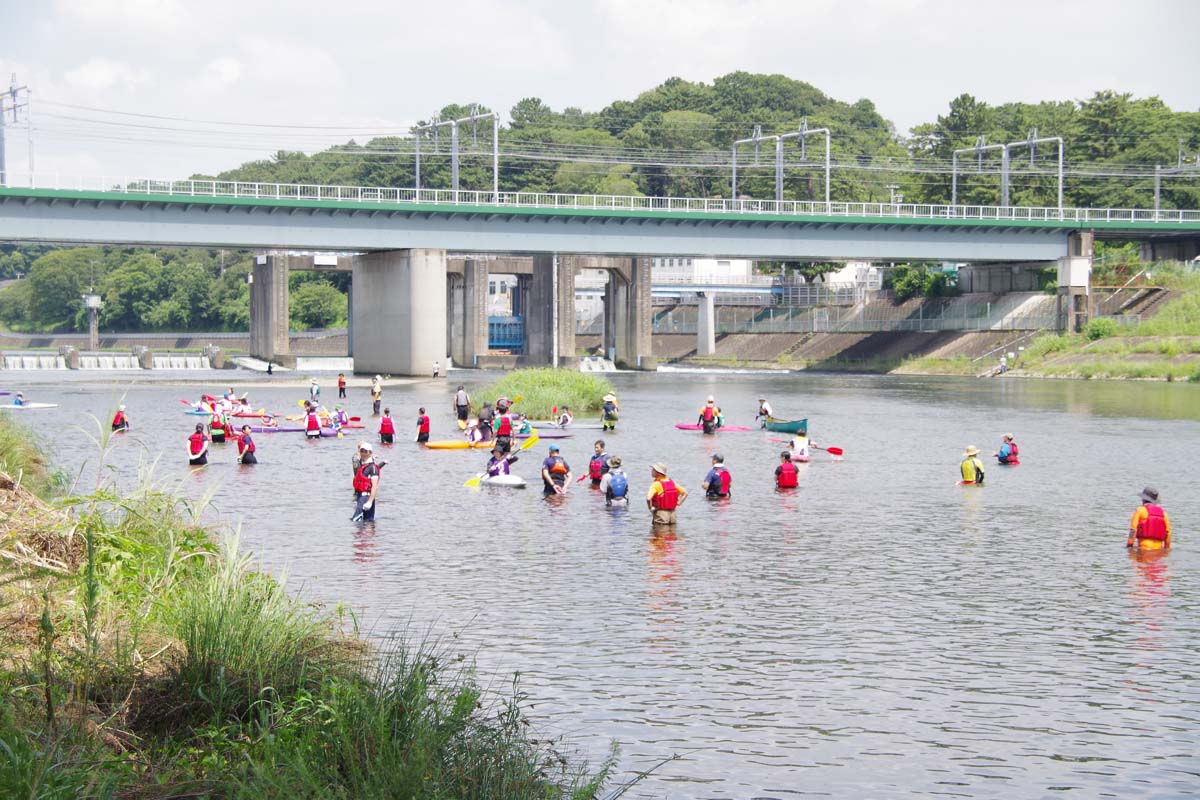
521	424
504	432
665	495
341	416
246	448
198	446
1150	528
341	385
799	446
786	474
19	400
764	410
598	465
609	412
503	404
216	427
120	421
422	425
710	416
556	473
718	481
498	463
387	427
615	484
376	394
366	484
971	467
227	427
269	421
1008	453
487	418
312	422
565	417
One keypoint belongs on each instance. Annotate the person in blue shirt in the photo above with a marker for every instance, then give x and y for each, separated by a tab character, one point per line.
718	482
19	400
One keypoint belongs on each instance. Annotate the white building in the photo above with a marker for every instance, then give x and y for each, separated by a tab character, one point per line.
685	269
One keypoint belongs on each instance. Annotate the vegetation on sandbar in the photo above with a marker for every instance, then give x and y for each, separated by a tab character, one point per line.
542	390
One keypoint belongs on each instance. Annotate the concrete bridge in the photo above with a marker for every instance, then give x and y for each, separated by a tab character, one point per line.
408	302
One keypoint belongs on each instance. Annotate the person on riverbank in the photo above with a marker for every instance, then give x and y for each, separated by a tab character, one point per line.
246	448
198	446
1008	453
376	394
786	474
498	463
764	410
609	412
710	416
314	391
312	421
366	484
665	496
971	467
598	464
120	420
422	425
1150	527
718	482
615	483
462	406
437	369
387	427
556	473
341	386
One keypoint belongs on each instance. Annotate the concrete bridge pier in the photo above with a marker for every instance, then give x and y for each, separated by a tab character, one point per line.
627	314
467	303
549	305
269	308
706	325
400	311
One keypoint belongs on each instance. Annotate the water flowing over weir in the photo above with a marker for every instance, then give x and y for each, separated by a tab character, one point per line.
106	362
181	362
18	361
878	632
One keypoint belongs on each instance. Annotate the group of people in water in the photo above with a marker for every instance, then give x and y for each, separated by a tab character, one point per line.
971	468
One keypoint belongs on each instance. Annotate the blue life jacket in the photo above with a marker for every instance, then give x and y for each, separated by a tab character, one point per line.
618	484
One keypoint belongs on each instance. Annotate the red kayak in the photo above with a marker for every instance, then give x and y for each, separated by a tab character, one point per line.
697	427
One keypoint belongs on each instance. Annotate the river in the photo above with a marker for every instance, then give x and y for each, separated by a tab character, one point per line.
880	632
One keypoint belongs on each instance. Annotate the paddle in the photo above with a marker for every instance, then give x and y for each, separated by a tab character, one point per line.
528	443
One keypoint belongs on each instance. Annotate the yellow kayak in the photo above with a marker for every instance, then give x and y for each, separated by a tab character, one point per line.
458	444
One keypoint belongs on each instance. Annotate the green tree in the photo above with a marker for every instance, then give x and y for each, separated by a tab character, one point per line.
57	281
316	304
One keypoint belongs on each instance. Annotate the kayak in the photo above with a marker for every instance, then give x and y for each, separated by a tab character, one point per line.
196	412
581	425
510	481
694	426
801	459
458	444
30	406
289	429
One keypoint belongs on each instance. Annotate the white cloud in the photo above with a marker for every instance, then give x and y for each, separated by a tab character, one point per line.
103	73
219	73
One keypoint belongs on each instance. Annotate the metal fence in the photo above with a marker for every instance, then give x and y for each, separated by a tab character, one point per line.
546	200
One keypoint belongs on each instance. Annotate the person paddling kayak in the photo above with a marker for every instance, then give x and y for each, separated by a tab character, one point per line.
498	463
120	420
1150	528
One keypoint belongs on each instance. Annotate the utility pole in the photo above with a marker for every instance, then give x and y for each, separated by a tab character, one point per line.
474	118
980	146
14	102
1032	143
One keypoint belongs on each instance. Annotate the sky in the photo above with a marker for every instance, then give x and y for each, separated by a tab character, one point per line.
325	72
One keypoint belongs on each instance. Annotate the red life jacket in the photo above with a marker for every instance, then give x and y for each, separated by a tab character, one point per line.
422	424
228	428
313	423
668	498
362	482
596	467
505	428
386	426
245	444
709	413
196	443
726	480
118	419
217	422
1154	526
341	383
786	479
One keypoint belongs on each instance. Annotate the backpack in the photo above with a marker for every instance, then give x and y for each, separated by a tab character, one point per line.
618	485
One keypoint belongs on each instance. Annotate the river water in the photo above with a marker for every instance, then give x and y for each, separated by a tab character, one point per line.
880	632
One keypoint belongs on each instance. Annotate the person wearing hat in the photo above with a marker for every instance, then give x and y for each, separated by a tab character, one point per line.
314	391
1009	452
556	473
664	496
498	463
764	410
710	416
971	467
718	481
19	400
609	412
376	394
1150	528
120	421
366	484
615	483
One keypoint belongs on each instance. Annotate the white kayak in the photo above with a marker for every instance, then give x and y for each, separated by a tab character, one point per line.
510	481
30	406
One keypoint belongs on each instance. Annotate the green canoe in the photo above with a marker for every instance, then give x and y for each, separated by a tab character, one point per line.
799	426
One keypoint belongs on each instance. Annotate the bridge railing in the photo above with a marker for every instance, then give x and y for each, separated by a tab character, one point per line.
546	200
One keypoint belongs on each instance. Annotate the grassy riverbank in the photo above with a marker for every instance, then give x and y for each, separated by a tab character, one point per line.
541	390
141	658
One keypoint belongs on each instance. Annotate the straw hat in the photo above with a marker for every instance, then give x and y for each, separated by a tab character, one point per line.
659	467
609	398
971	451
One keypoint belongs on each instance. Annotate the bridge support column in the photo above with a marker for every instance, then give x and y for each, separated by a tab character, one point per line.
467	301
706	325
400	311
551	298
269	308
627	312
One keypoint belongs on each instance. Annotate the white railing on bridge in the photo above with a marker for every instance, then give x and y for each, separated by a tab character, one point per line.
549	201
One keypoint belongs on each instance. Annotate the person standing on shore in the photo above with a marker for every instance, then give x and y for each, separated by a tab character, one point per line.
341	386
665	496
376	394
1150	528
246	448
437	369
198	446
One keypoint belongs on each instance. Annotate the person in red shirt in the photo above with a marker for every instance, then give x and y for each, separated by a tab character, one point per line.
341	385
120	420
422	425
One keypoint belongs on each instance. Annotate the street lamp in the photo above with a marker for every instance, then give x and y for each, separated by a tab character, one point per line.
92	302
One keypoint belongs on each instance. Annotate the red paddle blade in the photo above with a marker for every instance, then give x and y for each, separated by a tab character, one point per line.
834	451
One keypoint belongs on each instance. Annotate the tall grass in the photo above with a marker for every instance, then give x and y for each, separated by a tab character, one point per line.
541	390
24	458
